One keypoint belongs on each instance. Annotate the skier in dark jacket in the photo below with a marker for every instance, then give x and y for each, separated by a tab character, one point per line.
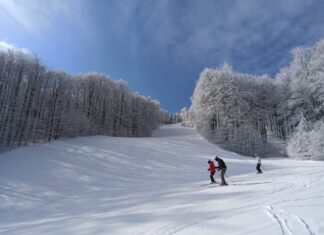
222	168
212	170
258	166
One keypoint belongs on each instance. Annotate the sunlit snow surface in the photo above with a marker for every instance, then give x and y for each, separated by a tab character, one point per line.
109	185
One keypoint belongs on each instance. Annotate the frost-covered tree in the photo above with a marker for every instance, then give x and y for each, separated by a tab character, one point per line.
299	144
233	109
316	150
247	113
172	118
187	117
37	104
307	141
215	97
303	84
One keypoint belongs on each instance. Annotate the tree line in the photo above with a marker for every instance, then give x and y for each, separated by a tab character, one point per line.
39	104
257	114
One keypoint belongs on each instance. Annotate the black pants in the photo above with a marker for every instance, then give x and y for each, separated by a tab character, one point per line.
212	177
258	167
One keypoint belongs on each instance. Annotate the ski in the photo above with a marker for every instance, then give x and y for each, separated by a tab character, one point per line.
209	184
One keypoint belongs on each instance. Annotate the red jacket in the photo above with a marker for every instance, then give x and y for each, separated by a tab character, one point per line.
212	167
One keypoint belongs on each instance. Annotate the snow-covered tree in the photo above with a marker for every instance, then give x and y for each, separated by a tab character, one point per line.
187	117
299	144
233	109
316	150
247	113
37	104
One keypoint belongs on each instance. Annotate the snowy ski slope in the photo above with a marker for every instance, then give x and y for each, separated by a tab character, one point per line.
108	185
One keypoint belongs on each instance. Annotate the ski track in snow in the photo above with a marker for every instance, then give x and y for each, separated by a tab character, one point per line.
286	220
189	220
154	186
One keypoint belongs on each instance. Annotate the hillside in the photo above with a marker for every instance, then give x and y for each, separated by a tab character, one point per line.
113	185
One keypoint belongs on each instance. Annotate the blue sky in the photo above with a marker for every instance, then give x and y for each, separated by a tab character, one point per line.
160	46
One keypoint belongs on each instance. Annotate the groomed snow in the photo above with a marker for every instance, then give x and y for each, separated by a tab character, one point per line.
108	185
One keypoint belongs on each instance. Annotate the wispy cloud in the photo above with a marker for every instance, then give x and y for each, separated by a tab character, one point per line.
5	46
247	33
38	16
255	36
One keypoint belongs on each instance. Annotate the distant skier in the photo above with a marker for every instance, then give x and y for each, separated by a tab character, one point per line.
258	166
222	168
212	170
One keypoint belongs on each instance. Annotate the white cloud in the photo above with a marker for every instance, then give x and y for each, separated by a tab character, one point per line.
40	15
209	32
194	32
5	46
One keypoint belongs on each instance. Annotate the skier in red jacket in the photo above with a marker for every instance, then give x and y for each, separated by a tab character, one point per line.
212	170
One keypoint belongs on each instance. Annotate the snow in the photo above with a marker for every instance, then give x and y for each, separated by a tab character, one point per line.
112	185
